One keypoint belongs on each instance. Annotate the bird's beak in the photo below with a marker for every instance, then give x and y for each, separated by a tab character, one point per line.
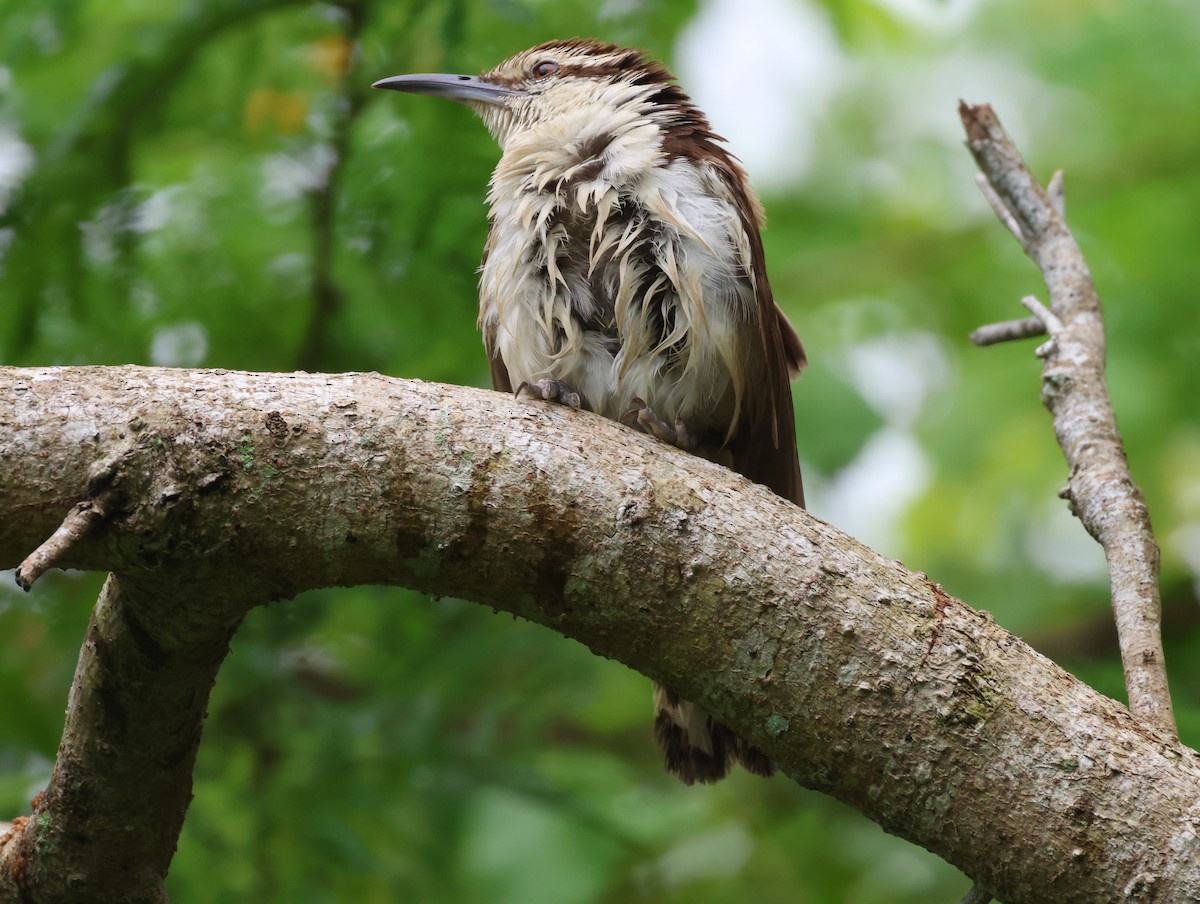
465	88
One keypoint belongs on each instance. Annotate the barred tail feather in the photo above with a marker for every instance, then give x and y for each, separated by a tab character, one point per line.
696	748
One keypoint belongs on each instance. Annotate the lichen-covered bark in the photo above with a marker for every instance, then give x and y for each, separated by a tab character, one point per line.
860	678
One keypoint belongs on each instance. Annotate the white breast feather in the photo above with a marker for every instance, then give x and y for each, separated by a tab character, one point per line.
702	252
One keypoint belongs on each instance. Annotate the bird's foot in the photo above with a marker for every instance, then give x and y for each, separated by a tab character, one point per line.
550	391
642	416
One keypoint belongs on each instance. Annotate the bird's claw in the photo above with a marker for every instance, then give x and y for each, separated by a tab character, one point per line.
549	391
642	416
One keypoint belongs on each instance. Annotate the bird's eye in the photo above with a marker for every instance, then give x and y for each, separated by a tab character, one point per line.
544	68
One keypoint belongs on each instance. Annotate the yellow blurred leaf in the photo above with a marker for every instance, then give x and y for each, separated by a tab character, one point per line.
331	55
276	111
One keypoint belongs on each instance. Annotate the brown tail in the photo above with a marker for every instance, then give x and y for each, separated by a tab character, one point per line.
696	747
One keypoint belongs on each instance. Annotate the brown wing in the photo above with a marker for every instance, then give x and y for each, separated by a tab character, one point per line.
500	380
764	447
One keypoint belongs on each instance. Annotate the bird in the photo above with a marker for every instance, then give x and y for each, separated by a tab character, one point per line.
623	273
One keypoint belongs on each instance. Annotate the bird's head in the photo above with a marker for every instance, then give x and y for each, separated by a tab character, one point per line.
573	87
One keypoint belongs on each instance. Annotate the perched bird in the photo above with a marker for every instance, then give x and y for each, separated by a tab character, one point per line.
624	273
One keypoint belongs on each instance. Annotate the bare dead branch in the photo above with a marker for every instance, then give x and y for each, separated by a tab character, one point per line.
1103	493
859	677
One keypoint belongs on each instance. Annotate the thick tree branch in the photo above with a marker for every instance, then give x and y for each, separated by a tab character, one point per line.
860	678
106	827
1101	489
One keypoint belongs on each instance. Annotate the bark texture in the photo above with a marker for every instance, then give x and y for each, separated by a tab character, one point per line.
222	490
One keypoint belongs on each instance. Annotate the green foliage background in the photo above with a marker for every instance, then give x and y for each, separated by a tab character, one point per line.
213	184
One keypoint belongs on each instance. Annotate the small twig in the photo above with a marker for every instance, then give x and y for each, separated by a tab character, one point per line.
1102	492
1048	319
977	895
1057	194
998	207
1008	331
1042	322
80	521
